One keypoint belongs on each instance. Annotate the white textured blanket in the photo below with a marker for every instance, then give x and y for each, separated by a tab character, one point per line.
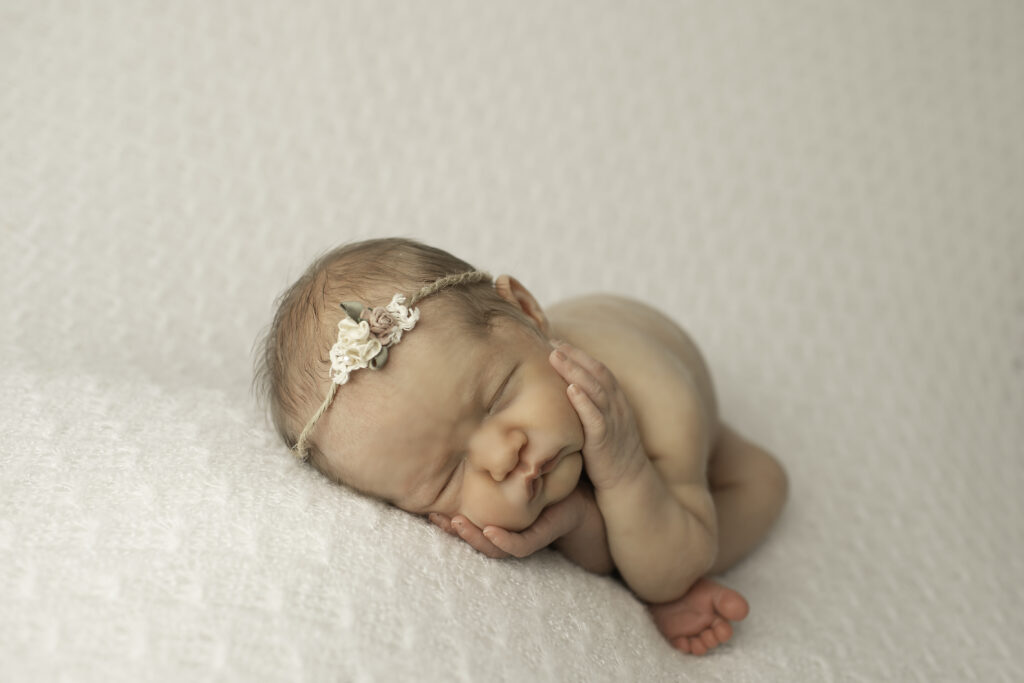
828	196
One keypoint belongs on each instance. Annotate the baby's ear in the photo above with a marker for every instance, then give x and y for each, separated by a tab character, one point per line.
513	291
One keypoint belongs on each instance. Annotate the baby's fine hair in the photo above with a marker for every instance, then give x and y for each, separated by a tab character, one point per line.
291	356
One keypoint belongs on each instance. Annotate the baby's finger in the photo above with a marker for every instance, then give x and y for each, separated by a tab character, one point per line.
552	524
595	367
510	542
472	535
592	418
522	544
574	372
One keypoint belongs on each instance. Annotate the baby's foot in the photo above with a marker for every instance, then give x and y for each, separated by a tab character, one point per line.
699	621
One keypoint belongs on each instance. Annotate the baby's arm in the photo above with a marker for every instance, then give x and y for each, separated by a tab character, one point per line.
660	545
587	544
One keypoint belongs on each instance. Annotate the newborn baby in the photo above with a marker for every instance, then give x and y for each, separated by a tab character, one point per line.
591	426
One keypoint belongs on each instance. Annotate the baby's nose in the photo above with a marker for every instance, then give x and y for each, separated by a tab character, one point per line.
509	456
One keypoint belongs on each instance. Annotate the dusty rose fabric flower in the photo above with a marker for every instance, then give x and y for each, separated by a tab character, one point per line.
382	323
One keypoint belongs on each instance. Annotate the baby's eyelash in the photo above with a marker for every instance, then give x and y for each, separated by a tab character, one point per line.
501	390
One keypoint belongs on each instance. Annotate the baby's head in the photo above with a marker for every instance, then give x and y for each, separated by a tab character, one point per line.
465	415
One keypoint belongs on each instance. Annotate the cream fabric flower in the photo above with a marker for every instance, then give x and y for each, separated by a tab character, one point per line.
354	349
405	319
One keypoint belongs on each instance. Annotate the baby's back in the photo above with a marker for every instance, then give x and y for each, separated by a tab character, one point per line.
659	368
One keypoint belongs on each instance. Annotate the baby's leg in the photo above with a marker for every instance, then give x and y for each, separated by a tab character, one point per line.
749	488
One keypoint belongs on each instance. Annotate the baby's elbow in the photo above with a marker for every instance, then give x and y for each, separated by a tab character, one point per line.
700	559
695	562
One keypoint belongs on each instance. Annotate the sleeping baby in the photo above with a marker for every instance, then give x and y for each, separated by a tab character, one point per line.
590	426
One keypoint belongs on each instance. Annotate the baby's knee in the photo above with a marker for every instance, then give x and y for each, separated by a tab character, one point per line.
741	462
767	478
773	479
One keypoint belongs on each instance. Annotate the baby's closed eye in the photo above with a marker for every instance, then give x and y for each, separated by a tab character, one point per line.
501	392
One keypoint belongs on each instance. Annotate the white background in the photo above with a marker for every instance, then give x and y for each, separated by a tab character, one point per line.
827	195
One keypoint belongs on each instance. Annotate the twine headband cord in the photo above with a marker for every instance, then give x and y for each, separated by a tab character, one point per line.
365	335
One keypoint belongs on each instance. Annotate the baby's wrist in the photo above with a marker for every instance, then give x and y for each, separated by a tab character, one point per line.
631	496
586	544
636	473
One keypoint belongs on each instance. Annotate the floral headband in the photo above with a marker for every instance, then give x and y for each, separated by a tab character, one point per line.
365	334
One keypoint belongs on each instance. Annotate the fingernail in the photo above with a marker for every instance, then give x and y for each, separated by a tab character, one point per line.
559	355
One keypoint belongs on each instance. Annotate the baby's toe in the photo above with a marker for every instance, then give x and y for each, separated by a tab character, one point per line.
682	643
697	646
722	629
732	605
709	639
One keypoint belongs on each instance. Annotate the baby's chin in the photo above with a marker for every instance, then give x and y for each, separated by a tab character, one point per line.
511	520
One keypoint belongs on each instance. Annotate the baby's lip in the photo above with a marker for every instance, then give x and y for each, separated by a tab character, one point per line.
533	480
532	488
544	467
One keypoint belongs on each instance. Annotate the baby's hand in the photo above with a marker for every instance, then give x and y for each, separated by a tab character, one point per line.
612	450
554	522
468	532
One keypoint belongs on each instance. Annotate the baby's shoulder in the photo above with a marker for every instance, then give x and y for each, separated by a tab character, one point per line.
655	362
608	308
616	326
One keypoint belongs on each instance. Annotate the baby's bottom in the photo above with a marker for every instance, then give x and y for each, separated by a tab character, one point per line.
749	488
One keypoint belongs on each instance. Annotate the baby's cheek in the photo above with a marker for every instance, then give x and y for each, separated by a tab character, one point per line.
566	476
